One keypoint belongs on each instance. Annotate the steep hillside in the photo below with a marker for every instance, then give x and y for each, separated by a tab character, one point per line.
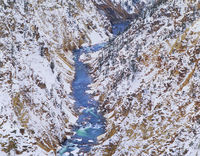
117	10
148	83
36	70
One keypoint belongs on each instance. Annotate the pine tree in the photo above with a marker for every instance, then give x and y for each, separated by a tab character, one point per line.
52	66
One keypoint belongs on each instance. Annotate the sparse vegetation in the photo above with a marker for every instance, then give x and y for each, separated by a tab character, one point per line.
157	120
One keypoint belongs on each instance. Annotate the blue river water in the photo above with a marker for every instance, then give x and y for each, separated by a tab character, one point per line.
90	123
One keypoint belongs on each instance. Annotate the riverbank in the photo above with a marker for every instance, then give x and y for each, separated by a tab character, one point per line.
91	122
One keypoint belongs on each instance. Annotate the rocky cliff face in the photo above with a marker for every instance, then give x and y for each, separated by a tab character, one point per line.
148	83
117	10
147	79
36	70
112	11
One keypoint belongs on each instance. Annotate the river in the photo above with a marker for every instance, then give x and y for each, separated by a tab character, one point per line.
90	123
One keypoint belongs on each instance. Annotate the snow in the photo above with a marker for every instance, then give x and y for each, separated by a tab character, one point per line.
147	79
96	38
33	96
153	106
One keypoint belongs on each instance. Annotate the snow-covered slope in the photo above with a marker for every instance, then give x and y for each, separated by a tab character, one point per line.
128	5
148	83
36	70
117	10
